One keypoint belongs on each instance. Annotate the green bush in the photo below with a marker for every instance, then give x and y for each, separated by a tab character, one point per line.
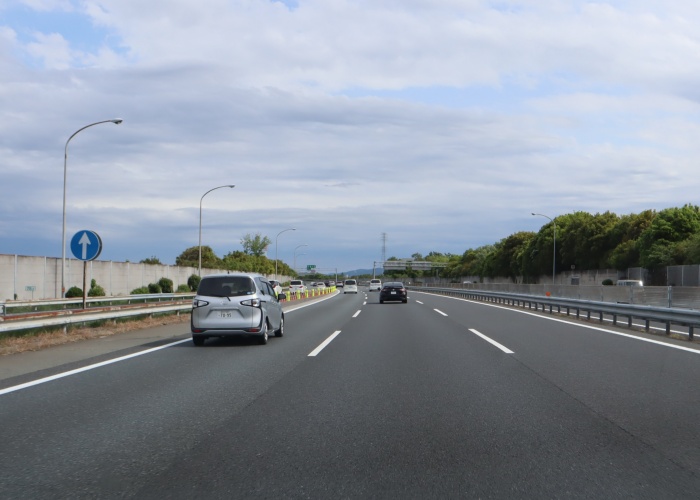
154	288
183	289
193	282
74	291
166	285
96	290
608	282
140	290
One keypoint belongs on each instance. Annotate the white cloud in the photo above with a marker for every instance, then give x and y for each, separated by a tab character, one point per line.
325	117
52	49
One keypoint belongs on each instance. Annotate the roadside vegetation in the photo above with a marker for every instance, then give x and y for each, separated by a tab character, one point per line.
584	241
35	340
651	240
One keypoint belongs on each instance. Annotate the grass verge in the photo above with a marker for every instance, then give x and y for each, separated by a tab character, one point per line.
35	340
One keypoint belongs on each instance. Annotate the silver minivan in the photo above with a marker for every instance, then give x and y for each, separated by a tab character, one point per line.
236	304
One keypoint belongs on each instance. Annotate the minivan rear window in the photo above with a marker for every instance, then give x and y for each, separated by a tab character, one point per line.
226	286
350	282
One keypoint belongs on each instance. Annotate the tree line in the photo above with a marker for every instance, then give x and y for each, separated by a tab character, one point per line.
251	259
651	239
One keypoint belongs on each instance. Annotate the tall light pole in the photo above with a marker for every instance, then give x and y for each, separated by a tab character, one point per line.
278	235
116	121
295	254
200	222
554	251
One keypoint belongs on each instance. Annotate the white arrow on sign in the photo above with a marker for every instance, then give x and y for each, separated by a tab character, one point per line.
85	242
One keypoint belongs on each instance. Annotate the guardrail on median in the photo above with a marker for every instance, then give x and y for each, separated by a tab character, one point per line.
668	316
58	312
76	303
67	318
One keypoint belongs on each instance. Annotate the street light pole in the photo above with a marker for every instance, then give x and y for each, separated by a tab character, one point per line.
116	121
554	254
278	235
200	223
295	254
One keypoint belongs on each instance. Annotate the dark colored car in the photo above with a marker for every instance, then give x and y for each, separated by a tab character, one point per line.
393	291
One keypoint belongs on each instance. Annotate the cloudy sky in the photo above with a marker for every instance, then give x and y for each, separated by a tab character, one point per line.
442	123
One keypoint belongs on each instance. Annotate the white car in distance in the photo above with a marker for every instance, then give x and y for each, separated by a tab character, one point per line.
297	286
350	286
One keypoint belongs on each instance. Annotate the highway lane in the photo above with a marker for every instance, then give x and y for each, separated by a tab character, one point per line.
639	381
404	402
109	429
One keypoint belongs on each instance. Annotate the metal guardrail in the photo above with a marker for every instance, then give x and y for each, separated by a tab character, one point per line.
61	316
65	312
75	303
668	316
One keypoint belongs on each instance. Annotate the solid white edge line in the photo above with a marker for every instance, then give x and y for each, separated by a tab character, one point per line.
574	323
122	358
89	367
491	341
357	313
324	344
312	303
439	312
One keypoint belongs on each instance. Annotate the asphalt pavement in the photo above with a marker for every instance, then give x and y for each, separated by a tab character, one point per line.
17	368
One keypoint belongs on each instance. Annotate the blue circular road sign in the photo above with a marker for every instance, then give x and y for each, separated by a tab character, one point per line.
86	245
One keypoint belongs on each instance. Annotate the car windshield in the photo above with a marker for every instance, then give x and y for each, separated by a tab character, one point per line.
226	286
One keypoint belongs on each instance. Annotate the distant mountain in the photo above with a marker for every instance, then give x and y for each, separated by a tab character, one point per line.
360	272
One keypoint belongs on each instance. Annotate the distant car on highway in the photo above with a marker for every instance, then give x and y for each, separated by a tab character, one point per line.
297	286
393	291
350	286
237	304
375	284
320	285
277	286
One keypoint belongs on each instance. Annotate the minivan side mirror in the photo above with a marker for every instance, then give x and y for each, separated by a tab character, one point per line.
281	296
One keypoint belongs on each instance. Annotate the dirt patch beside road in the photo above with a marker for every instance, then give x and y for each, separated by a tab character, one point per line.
14	345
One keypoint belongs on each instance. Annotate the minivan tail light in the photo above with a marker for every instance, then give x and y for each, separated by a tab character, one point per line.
251	302
199	303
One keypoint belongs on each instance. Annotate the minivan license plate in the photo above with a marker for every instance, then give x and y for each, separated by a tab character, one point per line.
225	314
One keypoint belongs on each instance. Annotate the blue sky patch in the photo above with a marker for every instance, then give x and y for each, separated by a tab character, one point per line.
75	27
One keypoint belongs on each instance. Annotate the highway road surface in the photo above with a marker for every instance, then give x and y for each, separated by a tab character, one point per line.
437	398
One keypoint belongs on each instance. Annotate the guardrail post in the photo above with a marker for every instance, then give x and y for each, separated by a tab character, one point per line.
690	332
